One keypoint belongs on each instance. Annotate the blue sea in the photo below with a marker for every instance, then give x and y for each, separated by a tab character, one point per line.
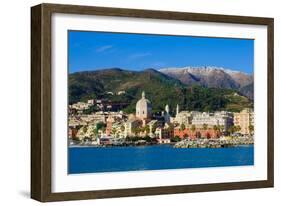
156	157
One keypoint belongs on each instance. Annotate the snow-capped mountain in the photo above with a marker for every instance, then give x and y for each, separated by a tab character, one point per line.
210	76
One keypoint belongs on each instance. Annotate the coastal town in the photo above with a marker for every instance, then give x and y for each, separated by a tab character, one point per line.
97	122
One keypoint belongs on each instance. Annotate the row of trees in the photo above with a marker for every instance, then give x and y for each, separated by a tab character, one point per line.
234	129
205	127
219	128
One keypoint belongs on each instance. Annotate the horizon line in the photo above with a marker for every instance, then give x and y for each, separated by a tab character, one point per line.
163	68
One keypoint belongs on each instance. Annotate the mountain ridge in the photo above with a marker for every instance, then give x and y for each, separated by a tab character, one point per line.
213	77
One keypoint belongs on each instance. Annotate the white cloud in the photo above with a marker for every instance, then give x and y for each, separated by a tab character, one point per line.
103	48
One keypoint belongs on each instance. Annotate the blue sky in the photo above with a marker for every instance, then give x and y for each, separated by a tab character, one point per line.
89	50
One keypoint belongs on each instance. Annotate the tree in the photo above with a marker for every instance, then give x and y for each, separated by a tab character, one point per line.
114	131
122	128
146	129
251	129
185	135
154	128
136	130
215	127
147	138
91	110
220	128
205	126
182	127
100	126
175	139
103	129
85	128
231	130
238	128
193	128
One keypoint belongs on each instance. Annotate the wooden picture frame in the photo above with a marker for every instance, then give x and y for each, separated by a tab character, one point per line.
41	116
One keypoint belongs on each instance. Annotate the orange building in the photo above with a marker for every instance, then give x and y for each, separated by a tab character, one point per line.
109	122
208	133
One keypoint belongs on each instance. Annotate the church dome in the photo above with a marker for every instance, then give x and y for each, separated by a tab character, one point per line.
143	102
143	108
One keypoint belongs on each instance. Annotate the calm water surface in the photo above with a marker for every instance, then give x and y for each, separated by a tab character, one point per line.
112	159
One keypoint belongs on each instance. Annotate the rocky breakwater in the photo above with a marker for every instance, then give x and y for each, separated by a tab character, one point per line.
214	143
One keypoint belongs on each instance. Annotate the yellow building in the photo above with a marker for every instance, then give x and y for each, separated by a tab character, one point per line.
244	120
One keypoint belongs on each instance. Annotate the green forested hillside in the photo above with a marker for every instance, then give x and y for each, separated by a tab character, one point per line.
160	89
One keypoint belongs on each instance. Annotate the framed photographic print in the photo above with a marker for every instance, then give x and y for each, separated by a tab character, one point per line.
132	102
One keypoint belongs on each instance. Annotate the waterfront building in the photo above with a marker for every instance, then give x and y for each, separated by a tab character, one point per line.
153	124
164	134
143	108
227	119
118	130
109	122
183	117
196	133
82	133
130	125
88	131
244	120
221	119
115	129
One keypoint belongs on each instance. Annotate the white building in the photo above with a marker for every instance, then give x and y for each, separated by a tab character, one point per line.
223	119
80	106
91	101
121	92
183	117
151	125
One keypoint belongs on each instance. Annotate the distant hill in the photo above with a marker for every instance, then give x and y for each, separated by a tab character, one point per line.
160	89
212	77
